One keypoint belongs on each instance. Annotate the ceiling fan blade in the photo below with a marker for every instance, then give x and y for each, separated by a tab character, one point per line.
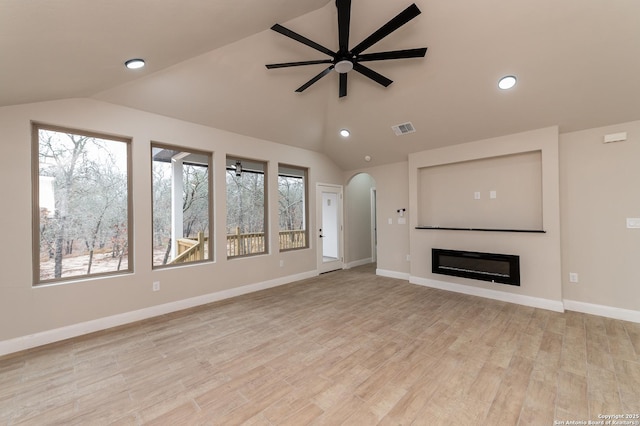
394	54
344	18
302	39
297	64
314	79
343	85
402	18
378	78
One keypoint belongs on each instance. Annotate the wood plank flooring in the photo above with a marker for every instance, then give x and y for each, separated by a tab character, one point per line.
346	347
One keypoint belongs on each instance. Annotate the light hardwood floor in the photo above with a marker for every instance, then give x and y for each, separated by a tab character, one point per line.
346	347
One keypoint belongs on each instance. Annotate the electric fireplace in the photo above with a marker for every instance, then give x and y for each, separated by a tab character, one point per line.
498	268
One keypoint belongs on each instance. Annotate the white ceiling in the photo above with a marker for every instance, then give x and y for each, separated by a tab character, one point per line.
577	63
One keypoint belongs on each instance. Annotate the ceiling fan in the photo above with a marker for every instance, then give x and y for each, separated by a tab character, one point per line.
345	59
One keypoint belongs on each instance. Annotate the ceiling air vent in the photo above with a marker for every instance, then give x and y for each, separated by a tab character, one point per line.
403	129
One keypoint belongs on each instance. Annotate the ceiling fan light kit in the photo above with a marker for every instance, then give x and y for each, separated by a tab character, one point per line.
343	66
345	60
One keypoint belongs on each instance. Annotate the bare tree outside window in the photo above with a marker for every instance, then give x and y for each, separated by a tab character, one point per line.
81	204
292	203
181	205
246	207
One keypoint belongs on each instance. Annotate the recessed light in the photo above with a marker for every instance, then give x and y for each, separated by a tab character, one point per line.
367	158
345	133
134	64
507	82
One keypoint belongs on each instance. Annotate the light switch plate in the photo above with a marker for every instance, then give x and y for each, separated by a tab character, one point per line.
633	222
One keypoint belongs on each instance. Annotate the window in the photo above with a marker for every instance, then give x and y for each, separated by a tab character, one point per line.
292	204
246	207
82	204
181	184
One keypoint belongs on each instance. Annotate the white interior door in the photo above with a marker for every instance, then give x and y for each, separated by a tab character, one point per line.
329	232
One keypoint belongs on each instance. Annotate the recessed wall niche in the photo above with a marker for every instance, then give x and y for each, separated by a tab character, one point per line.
502	193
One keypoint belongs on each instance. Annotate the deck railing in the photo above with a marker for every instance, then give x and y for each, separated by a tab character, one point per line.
238	244
190	250
293	239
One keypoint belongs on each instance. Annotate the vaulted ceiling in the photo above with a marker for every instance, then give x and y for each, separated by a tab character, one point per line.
577	63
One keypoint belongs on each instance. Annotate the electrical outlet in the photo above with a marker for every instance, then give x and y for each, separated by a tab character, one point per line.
573	277
156	286
408	258
281	263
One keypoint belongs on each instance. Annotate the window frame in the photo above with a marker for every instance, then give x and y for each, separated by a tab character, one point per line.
210	203
35	203
265	173
305	172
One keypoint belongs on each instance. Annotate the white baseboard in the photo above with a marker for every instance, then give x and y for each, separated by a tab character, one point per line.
535	302
50	336
393	274
603	311
358	263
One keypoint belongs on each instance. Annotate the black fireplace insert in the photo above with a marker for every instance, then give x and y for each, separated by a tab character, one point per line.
499	268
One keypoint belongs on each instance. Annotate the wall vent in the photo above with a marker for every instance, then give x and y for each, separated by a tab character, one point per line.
615	137
403	129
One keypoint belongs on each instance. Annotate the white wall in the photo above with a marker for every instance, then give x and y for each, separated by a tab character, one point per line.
392	193
358	219
26	310
540	265
460	194
600	187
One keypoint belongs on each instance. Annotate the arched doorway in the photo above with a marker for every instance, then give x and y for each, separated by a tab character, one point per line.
361	229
